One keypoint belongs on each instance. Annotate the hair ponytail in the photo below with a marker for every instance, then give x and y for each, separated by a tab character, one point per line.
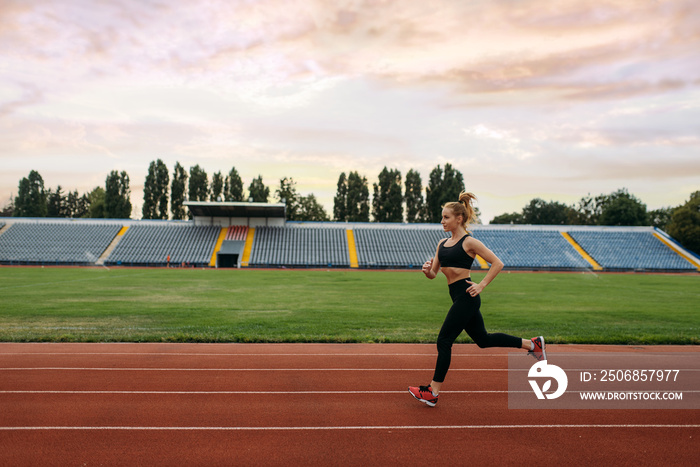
464	207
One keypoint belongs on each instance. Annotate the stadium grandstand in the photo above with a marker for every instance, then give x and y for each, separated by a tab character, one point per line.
623	250
160	245
300	247
74	243
256	235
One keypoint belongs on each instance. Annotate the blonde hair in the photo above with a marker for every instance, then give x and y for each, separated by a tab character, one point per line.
463	208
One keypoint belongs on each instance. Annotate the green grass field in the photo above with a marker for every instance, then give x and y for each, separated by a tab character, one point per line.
202	305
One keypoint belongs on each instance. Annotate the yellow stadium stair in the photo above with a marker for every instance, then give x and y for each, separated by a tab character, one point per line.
680	253
582	252
4	228
248	247
483	264
352	249
219	241
113	244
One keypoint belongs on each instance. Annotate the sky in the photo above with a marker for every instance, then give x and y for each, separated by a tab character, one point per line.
526	98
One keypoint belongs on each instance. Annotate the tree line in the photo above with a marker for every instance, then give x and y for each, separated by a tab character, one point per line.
617	208
394	199
35	200
164	195
350	204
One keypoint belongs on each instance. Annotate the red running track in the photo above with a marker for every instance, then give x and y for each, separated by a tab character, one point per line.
304	404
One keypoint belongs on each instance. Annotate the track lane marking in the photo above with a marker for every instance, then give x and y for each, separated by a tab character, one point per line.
258	354
233	354
281	369
248	392
285	392
246	369
330	428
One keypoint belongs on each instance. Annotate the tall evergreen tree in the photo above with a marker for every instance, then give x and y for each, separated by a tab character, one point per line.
287	194
56	203
198	188
84	206
217	187
21	201
377	204
31	197
117	193
258	191
72	199
151	193
311	210
387	205
357	198
443	187
96	204
453	184
162	182
178	192
340	201
413	195
233	186
77	205
433	195
685	223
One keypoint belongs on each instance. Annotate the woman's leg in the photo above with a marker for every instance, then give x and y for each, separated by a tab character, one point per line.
465	315
477	331
452	327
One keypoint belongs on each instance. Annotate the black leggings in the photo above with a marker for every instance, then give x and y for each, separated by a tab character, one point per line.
465	315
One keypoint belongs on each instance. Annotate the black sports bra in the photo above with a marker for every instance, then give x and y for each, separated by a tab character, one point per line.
454	256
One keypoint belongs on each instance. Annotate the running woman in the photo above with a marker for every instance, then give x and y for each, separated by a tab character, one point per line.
454	256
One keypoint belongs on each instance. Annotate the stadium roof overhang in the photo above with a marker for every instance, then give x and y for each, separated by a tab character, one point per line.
235	209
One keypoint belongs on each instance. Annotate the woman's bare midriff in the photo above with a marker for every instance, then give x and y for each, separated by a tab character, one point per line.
456	274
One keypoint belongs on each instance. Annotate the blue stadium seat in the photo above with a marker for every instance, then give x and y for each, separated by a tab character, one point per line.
527	249
628	250
395	248
378	246
55	243
152	244
300	247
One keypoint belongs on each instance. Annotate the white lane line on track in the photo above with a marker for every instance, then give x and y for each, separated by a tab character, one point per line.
284	392
248	369
251	392
281	369
258	354
243	354
325	428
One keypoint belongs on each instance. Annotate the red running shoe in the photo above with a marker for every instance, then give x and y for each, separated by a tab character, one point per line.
538	352
424	394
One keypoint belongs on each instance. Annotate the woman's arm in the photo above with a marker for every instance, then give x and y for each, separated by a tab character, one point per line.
474	246
432	266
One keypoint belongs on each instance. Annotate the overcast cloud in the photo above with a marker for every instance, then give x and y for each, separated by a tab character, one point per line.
526	98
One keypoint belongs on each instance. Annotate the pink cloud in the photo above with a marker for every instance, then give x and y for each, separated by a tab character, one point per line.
353	83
